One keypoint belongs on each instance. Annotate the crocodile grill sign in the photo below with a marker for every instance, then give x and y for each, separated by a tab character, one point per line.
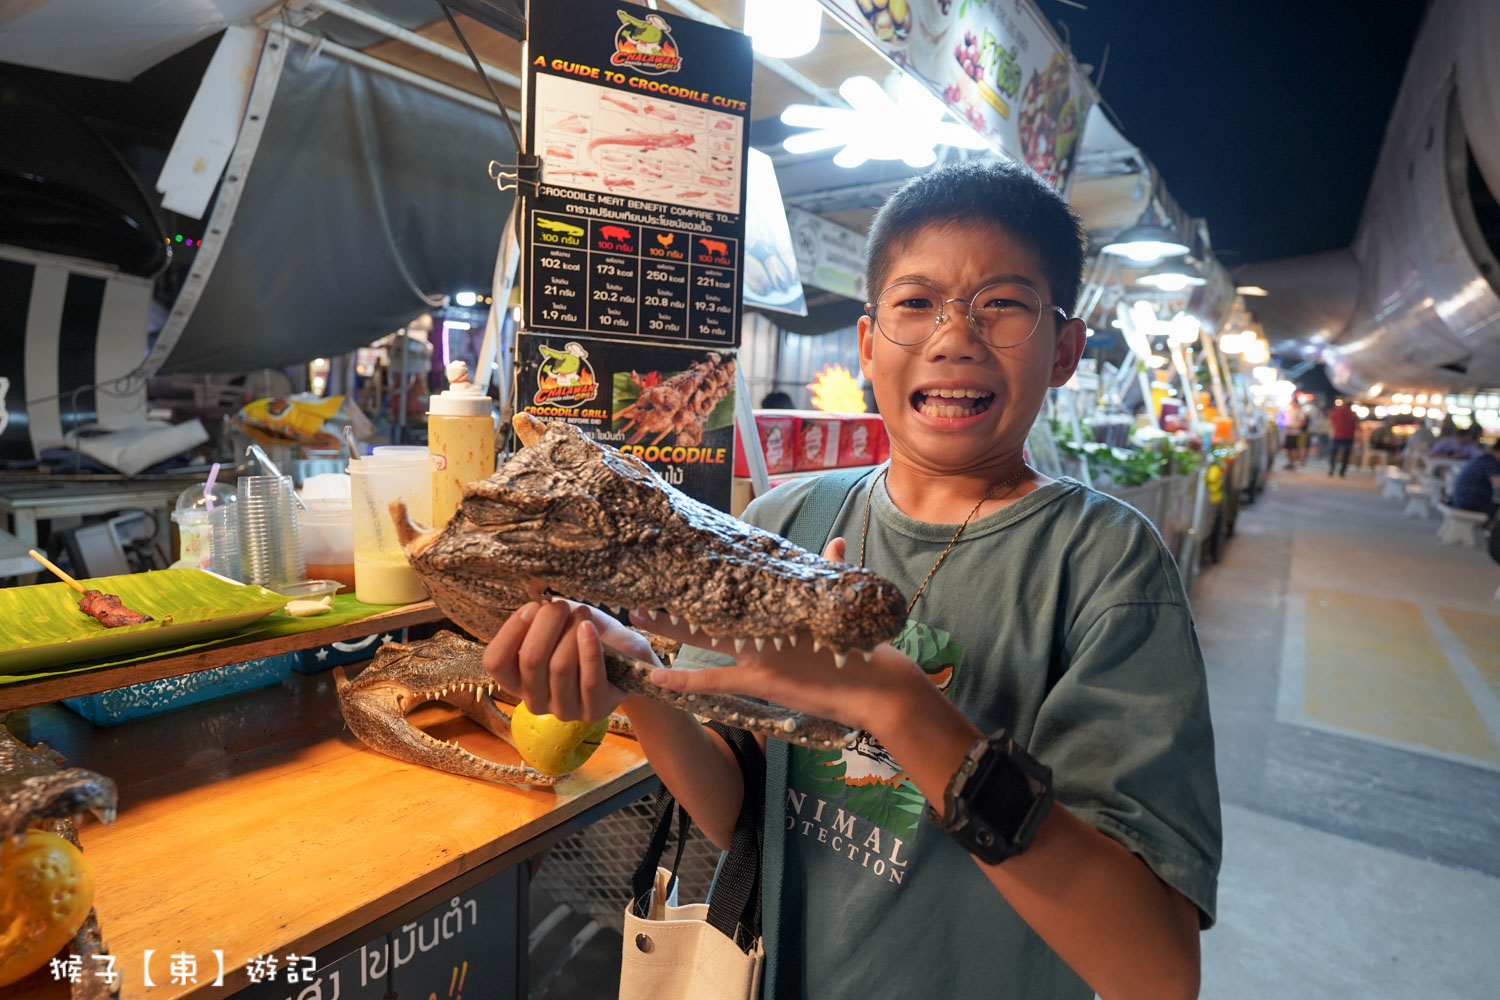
636	230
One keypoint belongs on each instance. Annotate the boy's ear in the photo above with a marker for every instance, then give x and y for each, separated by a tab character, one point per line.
1070	341
866	348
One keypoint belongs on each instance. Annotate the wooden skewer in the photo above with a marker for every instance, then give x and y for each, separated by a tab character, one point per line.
65	578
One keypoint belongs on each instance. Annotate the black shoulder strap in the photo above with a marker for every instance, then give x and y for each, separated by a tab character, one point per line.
809	528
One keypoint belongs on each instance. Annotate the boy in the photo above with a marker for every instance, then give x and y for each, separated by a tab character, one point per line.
1039	608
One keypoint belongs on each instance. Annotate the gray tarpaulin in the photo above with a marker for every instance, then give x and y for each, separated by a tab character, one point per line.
365	194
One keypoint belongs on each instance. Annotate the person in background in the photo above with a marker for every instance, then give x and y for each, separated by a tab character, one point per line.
1318	430
1464	444
1343	425
1475	485
777	400
1417	444
1296	435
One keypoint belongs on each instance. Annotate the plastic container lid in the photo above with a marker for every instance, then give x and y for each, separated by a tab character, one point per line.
462	398
398	453
326	486
192	506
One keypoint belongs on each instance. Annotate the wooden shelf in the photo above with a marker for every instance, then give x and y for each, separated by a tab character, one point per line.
258	824
40	691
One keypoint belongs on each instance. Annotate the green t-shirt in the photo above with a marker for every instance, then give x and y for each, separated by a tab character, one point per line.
1062	619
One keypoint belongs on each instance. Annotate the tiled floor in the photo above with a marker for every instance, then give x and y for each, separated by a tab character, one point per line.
1354	665
1353	668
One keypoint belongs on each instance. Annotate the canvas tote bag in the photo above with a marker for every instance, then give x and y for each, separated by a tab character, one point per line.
700	951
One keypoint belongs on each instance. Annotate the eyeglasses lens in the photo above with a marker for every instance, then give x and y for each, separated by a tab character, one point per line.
1004	315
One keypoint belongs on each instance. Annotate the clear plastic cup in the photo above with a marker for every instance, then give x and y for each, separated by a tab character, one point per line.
381	573
194	529
327	529
268	537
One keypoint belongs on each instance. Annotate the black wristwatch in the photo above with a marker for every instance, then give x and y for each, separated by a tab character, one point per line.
996	800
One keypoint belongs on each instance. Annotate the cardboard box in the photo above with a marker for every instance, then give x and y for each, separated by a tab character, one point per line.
778	435
861	438
818	439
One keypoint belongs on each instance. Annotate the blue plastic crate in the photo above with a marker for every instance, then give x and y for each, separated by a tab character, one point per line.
336	654
110	708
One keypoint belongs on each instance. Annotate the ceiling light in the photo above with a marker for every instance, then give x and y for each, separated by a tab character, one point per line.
465	299
783	29
1258	353
1234	343
1173	276
1183	329
877	126
1251	290
1144	242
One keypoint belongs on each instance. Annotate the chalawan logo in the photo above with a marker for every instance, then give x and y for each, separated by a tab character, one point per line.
645	45
565	377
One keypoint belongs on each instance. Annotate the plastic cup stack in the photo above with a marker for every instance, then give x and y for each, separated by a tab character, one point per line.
224	558
269	542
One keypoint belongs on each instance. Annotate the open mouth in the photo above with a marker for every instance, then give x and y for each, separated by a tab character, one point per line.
952	402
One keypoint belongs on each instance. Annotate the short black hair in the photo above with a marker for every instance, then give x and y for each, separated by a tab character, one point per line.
997	192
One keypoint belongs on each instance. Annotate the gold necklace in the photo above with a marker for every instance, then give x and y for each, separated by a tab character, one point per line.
864	532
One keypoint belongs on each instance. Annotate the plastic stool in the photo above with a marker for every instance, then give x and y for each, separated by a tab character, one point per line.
1416	501
1460	527
1394	485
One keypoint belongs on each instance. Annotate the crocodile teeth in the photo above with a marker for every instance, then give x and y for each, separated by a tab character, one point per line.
868	654
817	645
739	645
840	658
651	614
760	644
692	628
776	641
788	725
673	618
792	638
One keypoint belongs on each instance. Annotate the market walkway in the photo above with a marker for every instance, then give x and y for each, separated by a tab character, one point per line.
1354	665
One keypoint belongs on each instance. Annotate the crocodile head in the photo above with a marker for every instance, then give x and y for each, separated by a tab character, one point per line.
36	788
445	668
573	517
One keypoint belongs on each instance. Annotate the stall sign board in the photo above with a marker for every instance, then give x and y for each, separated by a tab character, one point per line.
641	121
828	255
671	407
468	942
996	64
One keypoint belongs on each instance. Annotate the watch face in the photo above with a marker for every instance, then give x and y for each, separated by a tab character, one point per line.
1002	797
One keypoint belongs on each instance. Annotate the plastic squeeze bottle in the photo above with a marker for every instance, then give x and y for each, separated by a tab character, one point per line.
460	440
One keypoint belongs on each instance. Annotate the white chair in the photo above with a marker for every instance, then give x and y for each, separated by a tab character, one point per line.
1393	487
1417	500
1460	527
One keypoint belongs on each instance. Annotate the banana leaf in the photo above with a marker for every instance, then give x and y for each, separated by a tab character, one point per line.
41	626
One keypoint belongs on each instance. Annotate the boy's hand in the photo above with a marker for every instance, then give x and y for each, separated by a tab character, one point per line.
552	655
859	694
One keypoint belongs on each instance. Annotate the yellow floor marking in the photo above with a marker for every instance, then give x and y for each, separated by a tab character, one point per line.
1480	634
1374	666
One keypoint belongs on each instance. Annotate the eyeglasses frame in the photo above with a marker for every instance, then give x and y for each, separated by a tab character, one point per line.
942	315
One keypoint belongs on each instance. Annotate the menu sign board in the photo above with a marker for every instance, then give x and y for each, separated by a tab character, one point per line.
671	407
995	63
640	119
828	255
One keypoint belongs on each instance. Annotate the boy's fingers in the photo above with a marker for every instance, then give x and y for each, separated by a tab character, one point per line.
535	657
598	695
835	550
500	653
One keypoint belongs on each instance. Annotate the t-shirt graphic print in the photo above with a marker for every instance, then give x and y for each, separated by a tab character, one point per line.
856	800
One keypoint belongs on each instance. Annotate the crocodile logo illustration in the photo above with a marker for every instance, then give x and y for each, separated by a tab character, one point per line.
565	377
554	226
646	45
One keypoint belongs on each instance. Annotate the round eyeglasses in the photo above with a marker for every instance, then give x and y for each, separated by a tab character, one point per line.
1003	314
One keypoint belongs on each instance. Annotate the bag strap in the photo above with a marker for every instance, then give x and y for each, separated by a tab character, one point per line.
644	880
809	528
734	906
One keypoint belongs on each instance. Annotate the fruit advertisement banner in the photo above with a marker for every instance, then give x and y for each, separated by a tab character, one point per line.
995	63
671	407
641	121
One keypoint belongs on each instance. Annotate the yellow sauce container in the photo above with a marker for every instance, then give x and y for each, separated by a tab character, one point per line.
460	440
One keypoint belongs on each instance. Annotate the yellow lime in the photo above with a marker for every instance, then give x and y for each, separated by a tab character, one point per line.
551	745
46	891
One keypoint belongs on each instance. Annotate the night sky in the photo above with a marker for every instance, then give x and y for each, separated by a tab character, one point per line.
1264	118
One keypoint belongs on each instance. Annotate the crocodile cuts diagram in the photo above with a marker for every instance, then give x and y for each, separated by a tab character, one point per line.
634	145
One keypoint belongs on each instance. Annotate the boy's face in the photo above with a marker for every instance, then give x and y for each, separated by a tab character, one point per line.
1011	382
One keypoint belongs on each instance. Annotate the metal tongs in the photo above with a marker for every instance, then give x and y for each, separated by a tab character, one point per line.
271	469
